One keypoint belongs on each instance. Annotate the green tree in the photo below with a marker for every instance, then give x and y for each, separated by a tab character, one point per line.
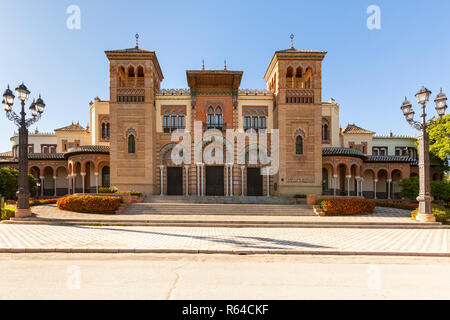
439	141
410	188
440	190
9	181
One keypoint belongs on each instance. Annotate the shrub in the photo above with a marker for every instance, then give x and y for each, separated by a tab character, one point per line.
9	180
442	214
34	203
406	206
132	193
346	206
7	213
440	190
107	190
89	204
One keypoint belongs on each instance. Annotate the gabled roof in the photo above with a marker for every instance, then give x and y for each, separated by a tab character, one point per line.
352	128
72	127
214	78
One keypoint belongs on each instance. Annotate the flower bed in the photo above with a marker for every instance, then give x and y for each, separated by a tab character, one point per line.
346	206
89	204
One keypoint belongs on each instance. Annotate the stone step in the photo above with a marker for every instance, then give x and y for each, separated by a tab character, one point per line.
230	224
217	200
212	209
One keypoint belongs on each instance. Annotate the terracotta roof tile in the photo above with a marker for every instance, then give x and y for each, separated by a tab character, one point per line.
352	128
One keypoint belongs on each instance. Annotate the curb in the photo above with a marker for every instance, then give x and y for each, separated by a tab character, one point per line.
231	224
228	252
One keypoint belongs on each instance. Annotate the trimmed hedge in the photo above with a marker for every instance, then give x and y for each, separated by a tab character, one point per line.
406	206
107	190
35	203
7	213
89	204
346	206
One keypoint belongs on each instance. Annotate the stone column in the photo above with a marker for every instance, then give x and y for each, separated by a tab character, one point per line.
202	178
375	188
187	180
348	185
361	187
42	185
54	179
389	188
69	183
198	180
242	180
161	168
74	184
96	181
83	175
231	180
335	177
226	180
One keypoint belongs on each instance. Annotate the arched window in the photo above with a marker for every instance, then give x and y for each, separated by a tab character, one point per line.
108	130
247	121
255	121
103	130
173	120
181	124
166	122
219	118
298	78
299	145
210	118
105	177
131	77
262	120
308	78
325	131
289	77
140	76
121	76
131	144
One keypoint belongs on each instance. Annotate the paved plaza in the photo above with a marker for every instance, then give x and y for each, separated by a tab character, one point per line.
304	215
224	240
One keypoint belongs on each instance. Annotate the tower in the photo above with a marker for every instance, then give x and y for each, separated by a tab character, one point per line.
135	76
295	78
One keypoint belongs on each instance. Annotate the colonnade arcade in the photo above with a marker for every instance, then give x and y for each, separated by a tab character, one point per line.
210	177
353	177
80	175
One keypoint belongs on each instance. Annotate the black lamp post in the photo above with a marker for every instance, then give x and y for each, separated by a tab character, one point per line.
425	212
36	110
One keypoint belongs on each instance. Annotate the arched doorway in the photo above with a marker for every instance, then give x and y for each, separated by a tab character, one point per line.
106	177
325	181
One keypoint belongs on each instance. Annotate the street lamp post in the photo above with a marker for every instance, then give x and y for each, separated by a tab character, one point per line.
36	109
425	213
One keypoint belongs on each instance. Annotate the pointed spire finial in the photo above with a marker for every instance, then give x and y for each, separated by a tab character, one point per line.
292	41
225	65
137	40
203	64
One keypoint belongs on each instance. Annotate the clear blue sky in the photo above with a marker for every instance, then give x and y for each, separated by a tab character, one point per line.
367	72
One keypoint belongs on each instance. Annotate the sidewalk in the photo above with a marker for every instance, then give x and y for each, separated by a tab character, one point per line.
342	241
